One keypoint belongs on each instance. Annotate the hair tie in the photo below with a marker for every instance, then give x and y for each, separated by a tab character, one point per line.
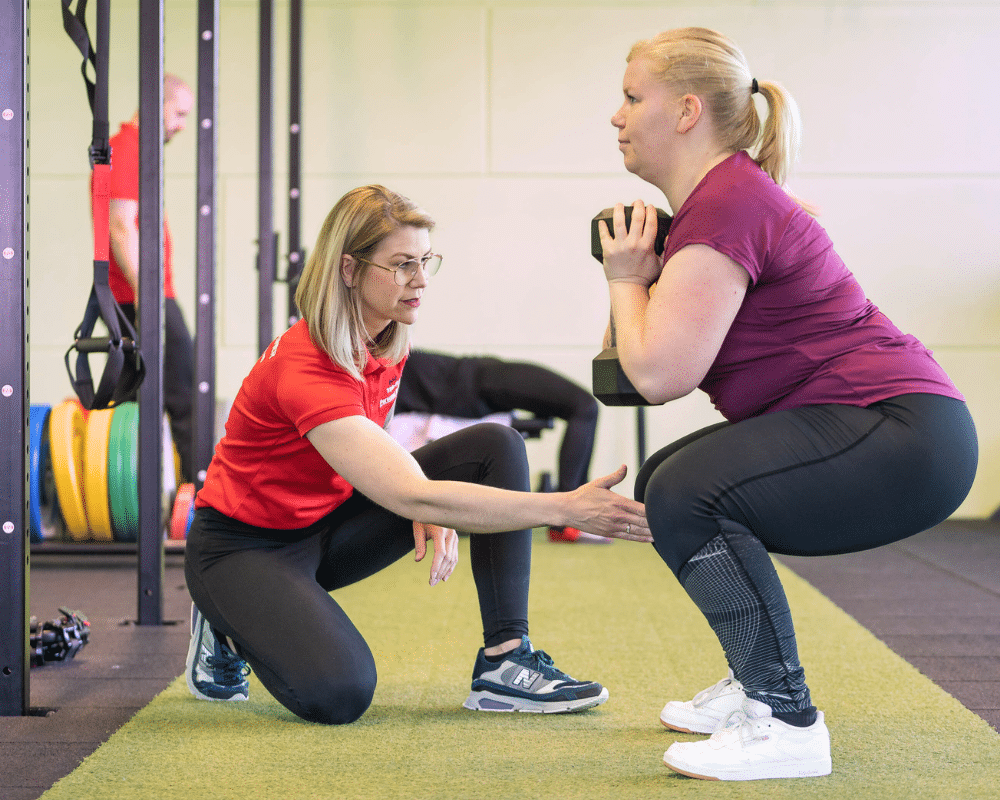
754	88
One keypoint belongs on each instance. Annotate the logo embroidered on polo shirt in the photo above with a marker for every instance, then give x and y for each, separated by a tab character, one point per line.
390	392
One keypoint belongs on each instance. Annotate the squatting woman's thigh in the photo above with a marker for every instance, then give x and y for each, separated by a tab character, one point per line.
817	480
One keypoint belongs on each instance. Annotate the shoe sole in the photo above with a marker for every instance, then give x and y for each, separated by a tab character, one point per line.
487	701
812	768
674	726
686	719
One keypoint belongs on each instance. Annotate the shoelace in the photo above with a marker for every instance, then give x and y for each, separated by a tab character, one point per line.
713	691
231	669
741	723
542	661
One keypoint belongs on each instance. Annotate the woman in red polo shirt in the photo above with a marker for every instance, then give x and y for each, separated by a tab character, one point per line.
307	493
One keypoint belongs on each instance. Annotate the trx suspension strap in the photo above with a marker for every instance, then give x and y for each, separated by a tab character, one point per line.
124	369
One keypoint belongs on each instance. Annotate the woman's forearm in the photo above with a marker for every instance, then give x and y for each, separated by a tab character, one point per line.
473	508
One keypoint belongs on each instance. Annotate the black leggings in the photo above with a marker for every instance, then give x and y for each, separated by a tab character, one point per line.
178	381
510	385
475	386
817	480
269	590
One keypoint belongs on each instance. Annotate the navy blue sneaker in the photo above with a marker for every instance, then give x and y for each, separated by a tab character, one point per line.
526	681
214	672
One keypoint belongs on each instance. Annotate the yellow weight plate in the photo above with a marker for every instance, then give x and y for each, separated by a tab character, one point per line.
67	430
95	479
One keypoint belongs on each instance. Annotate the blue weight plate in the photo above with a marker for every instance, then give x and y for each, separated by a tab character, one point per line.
38	464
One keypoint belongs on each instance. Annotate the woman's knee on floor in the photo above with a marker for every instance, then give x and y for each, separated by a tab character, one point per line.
334	699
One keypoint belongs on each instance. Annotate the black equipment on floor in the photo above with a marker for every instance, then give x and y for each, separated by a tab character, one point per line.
58	639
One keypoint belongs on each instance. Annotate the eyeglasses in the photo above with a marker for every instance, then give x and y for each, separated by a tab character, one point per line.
407	271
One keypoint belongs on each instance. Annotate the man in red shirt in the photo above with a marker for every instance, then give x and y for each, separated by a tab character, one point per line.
178	350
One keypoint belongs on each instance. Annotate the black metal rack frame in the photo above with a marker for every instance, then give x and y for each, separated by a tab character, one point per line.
14	630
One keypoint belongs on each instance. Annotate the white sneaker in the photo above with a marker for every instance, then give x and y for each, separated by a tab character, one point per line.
710	707
754	748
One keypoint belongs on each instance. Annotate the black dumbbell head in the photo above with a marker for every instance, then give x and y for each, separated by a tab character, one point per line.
610	383
662	228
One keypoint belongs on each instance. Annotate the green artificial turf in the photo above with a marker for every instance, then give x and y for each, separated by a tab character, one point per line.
609	613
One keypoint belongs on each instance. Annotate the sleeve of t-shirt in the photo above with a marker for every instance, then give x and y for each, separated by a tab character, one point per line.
311	392
124	184
729	224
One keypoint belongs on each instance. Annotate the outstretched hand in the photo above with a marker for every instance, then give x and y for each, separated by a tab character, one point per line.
445	542
596	509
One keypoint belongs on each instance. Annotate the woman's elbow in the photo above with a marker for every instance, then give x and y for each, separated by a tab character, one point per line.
657	395
657	389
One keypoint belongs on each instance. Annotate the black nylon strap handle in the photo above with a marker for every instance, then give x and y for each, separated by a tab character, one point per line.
124	369
97	89
76	27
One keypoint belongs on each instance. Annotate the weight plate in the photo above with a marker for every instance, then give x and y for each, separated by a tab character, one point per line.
50	517
67	431
183	503
95	480
131	474
38	457
116	504
123	492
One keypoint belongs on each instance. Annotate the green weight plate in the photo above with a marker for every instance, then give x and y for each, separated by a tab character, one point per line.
123	498
131	473
116	504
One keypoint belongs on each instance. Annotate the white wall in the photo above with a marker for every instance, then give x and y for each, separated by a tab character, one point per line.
494	117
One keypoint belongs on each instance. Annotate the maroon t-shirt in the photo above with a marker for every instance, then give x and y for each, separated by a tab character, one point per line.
805	334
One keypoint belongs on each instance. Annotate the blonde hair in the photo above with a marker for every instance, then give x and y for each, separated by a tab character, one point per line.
355	226
705	63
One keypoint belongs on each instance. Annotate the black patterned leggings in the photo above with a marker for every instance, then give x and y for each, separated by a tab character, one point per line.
817	480
269	590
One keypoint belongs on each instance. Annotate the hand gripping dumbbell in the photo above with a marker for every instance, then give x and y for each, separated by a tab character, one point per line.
610	383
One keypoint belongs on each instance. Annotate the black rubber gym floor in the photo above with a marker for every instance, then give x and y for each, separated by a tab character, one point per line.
934	599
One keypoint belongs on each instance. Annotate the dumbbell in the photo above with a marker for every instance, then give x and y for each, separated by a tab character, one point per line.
610	383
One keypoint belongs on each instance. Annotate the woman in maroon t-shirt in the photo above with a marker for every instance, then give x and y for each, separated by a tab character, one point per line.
842	433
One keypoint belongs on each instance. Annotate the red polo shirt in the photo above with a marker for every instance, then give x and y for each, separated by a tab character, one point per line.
264	471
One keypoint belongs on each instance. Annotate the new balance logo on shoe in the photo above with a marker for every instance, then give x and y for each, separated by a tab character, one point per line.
525	678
